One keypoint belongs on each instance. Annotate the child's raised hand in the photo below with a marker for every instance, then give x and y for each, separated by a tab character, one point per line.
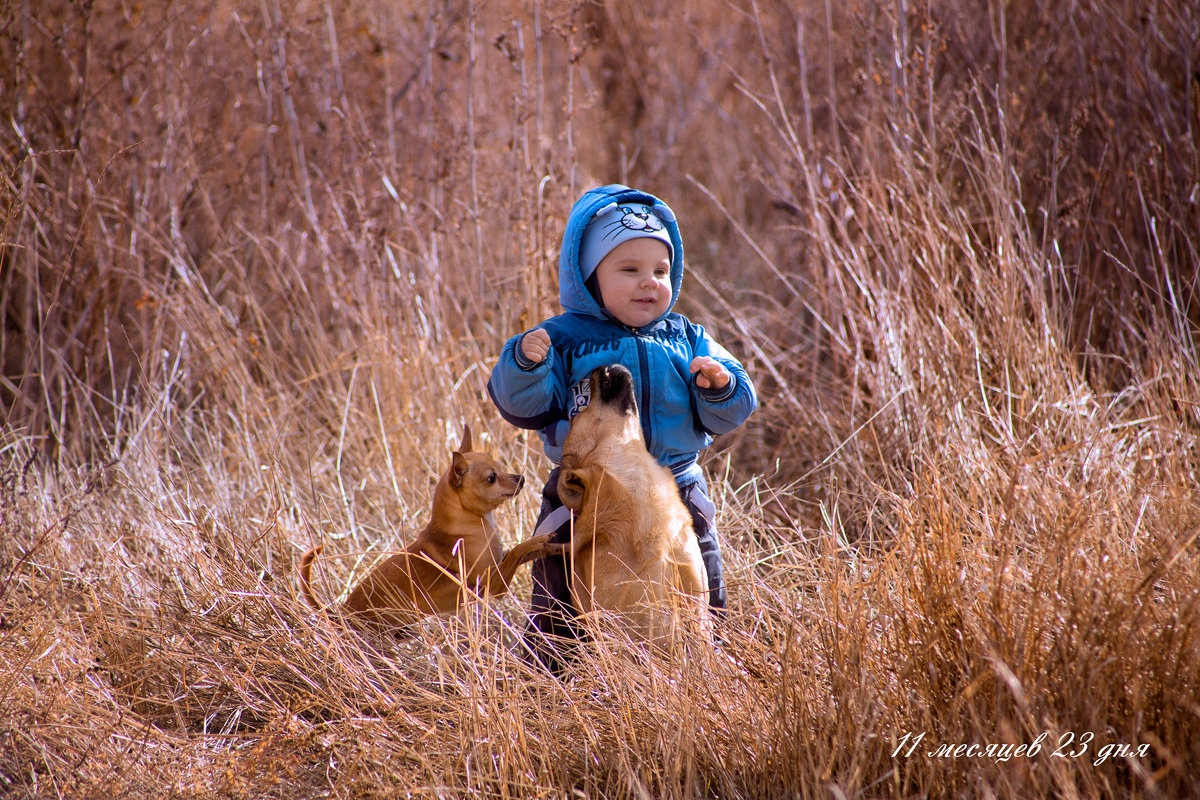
713	374
535	345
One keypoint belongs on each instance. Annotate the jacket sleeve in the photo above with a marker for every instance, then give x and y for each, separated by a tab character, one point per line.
527	395
722	410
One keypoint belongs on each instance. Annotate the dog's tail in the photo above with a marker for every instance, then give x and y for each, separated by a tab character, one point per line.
306	562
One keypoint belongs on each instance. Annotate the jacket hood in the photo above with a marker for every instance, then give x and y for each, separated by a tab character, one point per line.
573	294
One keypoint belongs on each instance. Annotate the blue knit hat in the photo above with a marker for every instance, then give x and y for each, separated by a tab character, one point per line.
615	224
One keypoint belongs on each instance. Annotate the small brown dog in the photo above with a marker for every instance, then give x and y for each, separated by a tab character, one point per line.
457	554
634	550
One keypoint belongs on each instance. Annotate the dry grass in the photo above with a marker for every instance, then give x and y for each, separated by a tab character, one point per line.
256	261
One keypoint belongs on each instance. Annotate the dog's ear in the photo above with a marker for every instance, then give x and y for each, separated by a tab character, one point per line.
458	469
571	486
465	447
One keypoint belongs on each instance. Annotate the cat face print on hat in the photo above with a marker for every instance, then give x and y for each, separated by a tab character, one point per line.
616	224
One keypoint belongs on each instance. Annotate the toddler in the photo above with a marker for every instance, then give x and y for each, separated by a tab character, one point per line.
620	271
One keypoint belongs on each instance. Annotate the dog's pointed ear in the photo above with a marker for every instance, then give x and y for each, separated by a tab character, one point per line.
465	447
458	469
571	487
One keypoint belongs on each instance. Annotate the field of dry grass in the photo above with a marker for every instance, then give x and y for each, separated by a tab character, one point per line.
256	261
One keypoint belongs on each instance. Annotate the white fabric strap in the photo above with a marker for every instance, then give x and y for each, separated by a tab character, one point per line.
554	520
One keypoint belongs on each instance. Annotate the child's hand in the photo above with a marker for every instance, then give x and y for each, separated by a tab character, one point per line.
535	345
713	374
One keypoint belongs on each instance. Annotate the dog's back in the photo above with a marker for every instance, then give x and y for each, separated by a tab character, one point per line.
634	550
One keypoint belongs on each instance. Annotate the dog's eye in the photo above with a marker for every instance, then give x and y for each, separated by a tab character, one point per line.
491	477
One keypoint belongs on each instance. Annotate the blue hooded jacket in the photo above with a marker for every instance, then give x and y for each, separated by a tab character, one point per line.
678	417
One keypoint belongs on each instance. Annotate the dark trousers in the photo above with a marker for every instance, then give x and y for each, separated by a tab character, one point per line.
551	632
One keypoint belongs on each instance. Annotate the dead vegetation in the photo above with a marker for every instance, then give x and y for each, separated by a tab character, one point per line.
255	262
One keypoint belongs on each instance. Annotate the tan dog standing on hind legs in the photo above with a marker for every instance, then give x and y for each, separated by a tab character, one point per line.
427	577
633	548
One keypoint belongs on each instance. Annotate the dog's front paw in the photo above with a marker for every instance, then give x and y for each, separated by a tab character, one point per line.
540	545
553	549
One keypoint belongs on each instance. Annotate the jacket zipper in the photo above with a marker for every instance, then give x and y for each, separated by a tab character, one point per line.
644	403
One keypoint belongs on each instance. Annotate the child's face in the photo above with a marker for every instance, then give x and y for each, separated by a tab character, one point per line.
635	281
